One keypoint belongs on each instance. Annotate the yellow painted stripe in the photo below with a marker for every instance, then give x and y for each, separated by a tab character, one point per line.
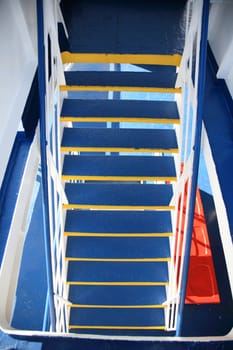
118	178
125	207
119	88
118	327
120	119
168	60
119	260
118	149
82	283
91	234
90	306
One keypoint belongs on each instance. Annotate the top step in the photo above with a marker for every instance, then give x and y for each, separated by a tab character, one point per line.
166	60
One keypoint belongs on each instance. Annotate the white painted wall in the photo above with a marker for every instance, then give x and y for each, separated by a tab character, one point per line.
221	39
18	61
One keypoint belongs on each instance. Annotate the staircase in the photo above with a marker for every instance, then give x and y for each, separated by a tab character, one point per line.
119	184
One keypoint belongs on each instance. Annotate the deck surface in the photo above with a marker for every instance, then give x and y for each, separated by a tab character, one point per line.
125	26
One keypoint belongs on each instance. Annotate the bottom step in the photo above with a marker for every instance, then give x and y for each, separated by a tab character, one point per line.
117	321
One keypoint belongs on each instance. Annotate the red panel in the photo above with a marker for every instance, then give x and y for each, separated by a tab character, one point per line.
202	284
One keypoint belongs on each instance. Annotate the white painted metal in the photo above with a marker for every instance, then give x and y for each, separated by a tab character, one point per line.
219	206
13	253
221	39
188	81
56	191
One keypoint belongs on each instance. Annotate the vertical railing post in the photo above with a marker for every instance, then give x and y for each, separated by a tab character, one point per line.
196	150
43	147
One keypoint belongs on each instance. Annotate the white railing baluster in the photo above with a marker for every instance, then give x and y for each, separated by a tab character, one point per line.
54	76
189	80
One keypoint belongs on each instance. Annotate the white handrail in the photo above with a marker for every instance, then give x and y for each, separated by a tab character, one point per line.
54	77
188	80
10	267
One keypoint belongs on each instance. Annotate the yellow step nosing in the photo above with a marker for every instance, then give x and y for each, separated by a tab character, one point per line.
90	234
118	327
114	283
155	59
119	260
125	207
118	178
118	149
174	90
94	306
120	119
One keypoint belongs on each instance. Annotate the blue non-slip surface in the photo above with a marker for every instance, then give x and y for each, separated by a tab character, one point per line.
119	194
125	26
107	221
119	109
164	77
151	139
133	166
117	295
118	247
117	317
117	272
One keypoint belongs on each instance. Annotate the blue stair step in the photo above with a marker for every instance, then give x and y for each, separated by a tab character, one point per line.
115	168
120	111
128	273
119	140
116	295
124	196
143	248
162	79
117	222
116	318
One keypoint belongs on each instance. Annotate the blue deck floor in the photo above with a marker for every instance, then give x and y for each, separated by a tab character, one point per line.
125	25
